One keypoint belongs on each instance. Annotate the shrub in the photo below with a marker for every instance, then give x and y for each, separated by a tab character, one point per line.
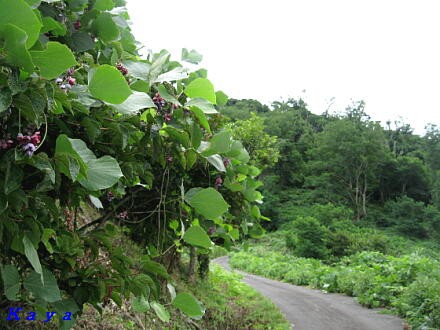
311	238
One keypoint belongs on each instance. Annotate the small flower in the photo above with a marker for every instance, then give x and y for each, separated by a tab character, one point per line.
123	215
218	182
77	25
226	162
71	81
59	81
110	196
167	117
169	159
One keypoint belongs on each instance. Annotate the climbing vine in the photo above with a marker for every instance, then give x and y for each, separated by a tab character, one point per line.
86	120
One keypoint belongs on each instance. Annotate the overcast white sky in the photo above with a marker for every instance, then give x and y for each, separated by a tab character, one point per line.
386	52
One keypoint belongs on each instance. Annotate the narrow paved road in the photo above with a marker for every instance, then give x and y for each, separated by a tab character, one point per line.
309	309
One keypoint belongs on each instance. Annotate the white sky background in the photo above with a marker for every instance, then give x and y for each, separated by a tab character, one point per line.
386	52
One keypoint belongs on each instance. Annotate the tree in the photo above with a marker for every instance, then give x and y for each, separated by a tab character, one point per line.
261	146
347	155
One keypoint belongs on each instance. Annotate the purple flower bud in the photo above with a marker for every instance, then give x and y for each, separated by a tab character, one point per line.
59	81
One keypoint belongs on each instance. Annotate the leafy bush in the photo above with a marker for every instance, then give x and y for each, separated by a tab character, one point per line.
310	238
412	218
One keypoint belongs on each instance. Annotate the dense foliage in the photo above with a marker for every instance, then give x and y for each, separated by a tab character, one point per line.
86	121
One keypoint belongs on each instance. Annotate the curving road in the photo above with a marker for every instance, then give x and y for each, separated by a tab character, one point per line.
309	309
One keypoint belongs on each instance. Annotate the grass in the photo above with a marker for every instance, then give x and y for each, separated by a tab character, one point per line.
230	304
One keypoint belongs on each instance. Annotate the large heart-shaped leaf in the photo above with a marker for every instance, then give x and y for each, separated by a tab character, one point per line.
102	173
106	28
53	60
201	88
15	45
196	236
202	104
208	202
20	14
108	84
48	291
189	305
134	103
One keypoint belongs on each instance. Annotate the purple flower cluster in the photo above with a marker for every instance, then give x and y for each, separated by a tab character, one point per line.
122	69
29	143
123	215
218	182
6	144
67	81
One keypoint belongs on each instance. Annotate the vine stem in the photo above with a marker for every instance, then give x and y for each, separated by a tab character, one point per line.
45	132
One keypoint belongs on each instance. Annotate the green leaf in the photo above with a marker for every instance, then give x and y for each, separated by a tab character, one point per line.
176	134
15	45
20	14
189	305
222	98
134	103
191	56
56	27
202	104
96	202
3	204
11	281
154	267
171	290
140	304
137	70
217	162
31	254
42	162
82	41
160	311
102	173
108	84
106	28
104	5
48	291
54	60
201	118
178	73
191	158
201	88
5	99
47	234
166	95
219	144
196	236
67	157
255	211
208	202
13	178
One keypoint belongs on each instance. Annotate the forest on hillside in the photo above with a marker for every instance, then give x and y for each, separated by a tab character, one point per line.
354	206
386	175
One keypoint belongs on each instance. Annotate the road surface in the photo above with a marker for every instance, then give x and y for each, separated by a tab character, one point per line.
309	309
